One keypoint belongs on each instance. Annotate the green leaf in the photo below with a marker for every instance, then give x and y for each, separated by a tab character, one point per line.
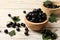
16	19
45	37
49	36
53	18
56	36
12	33
53	39
47	2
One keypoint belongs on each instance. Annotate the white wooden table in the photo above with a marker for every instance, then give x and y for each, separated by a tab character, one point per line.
16	7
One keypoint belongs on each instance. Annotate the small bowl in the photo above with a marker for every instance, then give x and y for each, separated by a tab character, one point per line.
35	26
48	11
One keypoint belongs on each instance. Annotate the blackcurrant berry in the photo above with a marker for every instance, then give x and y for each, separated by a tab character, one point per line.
53	36
14	18
33	19
8	25
18	29
9	15
11	23
26	29
48	32
26	33
24	11
22	24
18	24
14	25
34	11
6	31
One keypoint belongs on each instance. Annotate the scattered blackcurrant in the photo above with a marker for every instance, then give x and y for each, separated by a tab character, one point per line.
6	31
24	12
8	25
14	25
18	25
26	33
22	24
26	29
53	36
18	29
9	15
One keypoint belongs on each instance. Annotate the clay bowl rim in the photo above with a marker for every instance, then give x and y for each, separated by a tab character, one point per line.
36	23
52	8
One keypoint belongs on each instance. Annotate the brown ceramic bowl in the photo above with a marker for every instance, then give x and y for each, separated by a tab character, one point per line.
48	11
35	26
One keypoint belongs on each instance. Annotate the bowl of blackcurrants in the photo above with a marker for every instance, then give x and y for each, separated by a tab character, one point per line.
51	7
36	19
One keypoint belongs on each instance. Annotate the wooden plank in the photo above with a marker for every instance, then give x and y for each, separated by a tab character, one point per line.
20	3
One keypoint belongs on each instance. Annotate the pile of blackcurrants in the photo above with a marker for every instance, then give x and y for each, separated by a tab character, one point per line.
16	25
49	4
13	25
49	34
36	16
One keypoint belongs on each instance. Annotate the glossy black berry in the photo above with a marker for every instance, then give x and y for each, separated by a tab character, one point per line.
14	25
8	25
26	33
45	35
14	18
58	6
33	19
24	12
9	15
18	29
48	32
53	36
26	29
34	10
22	24
18	25
6	31
39	20
50	6
31	14
11	23
28	17
39	10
